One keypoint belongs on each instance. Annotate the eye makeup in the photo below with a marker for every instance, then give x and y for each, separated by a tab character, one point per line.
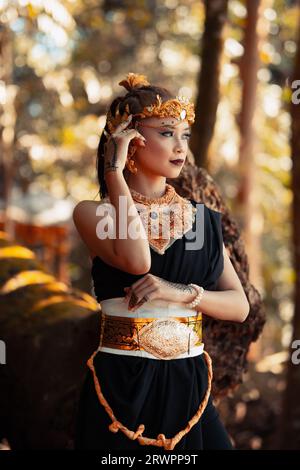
188	134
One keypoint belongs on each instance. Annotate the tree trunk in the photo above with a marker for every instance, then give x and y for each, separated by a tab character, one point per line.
246	208
208	83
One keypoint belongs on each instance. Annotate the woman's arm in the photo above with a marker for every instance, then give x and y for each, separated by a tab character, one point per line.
229	302
137	250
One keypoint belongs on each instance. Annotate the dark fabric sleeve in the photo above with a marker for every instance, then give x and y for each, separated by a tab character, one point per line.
216	258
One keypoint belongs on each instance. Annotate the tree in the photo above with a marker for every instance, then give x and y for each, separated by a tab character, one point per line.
245	202
208	82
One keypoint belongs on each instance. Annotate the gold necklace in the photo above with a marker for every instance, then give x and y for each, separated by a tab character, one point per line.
175	216
164	199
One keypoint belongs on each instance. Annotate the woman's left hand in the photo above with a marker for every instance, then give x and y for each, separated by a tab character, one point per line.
151	287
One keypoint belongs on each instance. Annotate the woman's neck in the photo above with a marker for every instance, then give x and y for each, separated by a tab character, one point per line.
151	190
166	198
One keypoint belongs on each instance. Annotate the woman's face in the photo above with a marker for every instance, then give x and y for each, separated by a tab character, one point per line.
167	139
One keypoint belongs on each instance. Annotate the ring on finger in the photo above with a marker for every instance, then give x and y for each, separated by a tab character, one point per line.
145	298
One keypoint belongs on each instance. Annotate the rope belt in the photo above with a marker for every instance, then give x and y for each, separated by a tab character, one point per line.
165	338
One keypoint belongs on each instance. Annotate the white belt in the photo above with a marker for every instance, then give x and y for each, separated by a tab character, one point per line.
164	312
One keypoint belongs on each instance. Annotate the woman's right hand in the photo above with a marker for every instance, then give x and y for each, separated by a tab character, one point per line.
116	148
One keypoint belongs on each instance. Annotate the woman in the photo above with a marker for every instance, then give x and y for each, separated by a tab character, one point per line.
150	379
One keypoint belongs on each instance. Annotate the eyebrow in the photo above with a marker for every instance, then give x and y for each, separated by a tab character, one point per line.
174	127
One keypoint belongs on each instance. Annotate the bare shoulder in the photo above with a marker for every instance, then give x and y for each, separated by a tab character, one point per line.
91	223
86	212
83	208
88	205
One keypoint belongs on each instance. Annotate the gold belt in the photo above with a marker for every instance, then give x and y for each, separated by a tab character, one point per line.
163	337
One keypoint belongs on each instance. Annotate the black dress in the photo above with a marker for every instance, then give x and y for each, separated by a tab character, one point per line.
161	394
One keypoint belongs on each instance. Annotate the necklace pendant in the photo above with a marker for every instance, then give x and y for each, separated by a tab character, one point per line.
153	215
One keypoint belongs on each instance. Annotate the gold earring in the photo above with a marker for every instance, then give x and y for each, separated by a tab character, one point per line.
131	166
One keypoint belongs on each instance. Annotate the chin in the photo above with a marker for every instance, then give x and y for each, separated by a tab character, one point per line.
176	171
173	175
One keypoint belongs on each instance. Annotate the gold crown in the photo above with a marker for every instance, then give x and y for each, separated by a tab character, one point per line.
179	107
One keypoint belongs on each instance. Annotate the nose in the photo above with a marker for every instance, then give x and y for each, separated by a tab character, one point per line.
179	148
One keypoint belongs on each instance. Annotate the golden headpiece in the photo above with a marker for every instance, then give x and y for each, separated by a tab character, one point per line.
180	107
